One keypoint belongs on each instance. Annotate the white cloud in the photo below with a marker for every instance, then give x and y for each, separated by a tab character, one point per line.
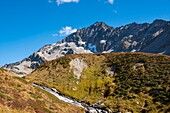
66	1
66	31
111	1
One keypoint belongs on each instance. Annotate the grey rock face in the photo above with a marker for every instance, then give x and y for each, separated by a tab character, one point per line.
99	37
154	38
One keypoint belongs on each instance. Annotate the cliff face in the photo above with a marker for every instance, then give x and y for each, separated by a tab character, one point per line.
99	37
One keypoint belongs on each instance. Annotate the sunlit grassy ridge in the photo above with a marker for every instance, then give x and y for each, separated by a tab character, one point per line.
140	82
18	96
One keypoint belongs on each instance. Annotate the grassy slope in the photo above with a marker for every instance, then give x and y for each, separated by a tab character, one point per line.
18	96
146	88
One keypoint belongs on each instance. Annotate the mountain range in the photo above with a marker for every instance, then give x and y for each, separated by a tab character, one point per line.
101	38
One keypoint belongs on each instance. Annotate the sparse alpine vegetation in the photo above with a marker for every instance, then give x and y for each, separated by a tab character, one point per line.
137	82
18	96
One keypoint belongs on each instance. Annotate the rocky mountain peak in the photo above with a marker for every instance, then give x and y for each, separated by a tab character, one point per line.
159	21
133	23
100	25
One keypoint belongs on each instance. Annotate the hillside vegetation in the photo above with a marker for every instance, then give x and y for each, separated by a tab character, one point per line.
137	82
18	96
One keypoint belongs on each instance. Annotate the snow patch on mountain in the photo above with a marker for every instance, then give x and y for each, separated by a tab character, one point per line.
57	50
81	43
109	51
103	41
162	52
157	33
21	69
134	50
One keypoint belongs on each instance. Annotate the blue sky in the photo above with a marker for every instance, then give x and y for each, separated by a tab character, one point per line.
27	25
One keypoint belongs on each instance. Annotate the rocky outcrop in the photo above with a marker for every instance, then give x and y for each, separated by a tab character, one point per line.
77	66
139	66
111	71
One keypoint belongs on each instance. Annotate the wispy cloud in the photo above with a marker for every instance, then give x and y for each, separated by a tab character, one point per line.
111	1
66	1
65	31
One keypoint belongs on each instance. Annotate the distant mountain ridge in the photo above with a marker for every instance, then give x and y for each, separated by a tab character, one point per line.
99	37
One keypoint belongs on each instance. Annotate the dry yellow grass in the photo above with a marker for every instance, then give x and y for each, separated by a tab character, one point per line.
18	96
